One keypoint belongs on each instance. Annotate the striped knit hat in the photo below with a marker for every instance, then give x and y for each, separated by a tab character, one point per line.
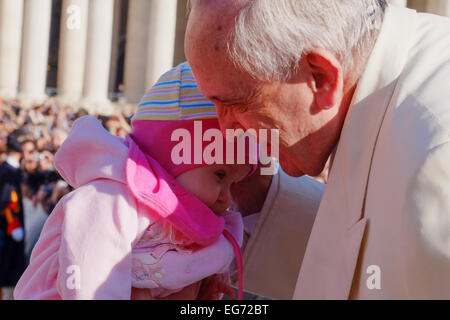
176	97
174	102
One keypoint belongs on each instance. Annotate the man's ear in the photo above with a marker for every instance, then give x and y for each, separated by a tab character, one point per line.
327	78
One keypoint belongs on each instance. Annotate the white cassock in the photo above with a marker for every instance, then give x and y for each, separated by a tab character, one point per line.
382	230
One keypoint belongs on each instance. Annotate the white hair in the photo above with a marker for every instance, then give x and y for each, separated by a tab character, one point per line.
270	36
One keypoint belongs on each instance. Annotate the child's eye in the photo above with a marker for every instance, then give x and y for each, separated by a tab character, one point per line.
220	175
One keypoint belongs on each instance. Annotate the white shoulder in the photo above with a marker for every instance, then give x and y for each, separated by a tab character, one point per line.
428	200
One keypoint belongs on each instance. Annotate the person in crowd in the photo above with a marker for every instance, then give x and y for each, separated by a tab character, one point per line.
3	141
32	184
12	233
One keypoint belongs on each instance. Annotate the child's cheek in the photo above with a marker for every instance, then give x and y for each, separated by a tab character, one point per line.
208	193
214	194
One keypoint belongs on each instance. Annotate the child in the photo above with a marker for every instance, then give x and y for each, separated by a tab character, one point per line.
137	219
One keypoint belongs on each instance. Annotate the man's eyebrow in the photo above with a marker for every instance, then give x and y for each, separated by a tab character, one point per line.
217	99
236	100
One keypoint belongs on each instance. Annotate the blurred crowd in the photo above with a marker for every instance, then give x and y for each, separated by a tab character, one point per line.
41	130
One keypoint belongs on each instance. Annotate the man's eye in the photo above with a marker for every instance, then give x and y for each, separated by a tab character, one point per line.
239	107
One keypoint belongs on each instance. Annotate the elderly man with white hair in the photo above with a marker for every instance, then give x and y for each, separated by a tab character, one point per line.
367	84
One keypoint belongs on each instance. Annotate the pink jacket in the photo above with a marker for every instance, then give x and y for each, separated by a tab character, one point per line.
127	224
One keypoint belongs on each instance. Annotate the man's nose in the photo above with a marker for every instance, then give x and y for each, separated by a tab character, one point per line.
229	123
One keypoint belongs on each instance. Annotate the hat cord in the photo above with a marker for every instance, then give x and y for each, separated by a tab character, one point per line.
238	253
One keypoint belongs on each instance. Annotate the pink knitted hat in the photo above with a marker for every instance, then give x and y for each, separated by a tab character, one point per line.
176	103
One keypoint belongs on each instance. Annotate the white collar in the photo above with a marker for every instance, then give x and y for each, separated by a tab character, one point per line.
13	162
389	54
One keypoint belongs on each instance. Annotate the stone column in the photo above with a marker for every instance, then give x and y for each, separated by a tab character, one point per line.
161	43
115	43
11	14
136	50
182	17
35	42
440	7
98	51
72	50
401	3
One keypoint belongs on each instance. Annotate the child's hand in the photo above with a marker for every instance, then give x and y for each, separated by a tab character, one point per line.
188	293
214	287
211	288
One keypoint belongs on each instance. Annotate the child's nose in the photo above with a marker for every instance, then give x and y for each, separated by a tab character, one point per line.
226	193
224	201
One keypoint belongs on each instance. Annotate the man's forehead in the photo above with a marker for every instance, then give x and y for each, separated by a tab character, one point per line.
207	51
216	17
217	76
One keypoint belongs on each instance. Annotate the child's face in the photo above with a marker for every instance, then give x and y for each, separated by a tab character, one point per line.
211	184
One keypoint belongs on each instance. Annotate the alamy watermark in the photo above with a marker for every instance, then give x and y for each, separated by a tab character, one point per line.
73	281
215	150
73	21
374	280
